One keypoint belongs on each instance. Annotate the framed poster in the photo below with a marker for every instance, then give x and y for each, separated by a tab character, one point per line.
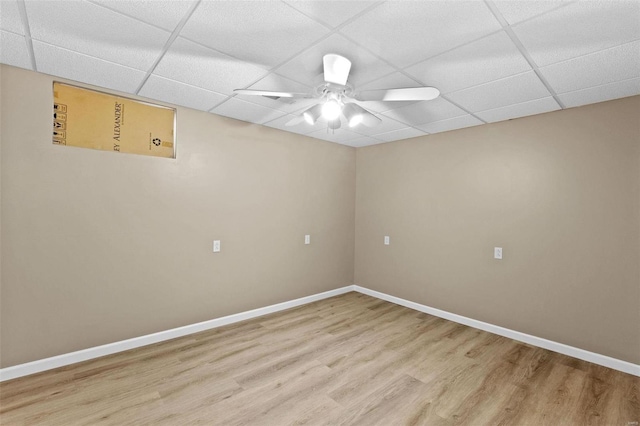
90	119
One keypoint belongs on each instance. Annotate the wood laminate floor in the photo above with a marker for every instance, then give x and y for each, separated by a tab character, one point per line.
351	359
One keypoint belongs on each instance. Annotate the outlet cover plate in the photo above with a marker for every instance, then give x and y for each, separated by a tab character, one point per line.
497	253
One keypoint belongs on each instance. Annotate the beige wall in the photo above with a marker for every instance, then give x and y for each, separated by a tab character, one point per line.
559	192
100	247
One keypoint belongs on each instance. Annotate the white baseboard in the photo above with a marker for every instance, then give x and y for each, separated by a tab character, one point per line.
124	345
616	364
136	342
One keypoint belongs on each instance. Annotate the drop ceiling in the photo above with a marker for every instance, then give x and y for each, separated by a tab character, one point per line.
491	60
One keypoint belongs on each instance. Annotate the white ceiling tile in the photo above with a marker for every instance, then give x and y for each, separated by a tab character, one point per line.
340	135
523	109
396	135
426	112
507	91
96	31
275	82
162	13
76	66
606	66
408	32
619	89
13	50
246	111
307	67
390	81
177	93
264	33
386	125
362	141
10	19
451	124
578	29
518	11
301	127
193	64
487	59
333	12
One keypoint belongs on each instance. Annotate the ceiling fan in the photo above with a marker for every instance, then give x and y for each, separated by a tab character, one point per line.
336	97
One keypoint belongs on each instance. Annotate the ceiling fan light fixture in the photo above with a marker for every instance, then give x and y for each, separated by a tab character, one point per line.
355	120
354	114
312	114
331	110
308	118
335	97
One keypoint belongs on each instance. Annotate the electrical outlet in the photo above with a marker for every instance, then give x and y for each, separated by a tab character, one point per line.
216	246
497	253
307	239
386	240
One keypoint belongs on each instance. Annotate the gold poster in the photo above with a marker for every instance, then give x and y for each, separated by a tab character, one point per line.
90	119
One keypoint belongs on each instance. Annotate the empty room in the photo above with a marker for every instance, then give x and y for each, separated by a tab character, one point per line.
320	212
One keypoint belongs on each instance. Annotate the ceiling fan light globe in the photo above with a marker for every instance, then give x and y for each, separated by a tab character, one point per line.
331	110
308	118
355	120
312	114
354	114
334	124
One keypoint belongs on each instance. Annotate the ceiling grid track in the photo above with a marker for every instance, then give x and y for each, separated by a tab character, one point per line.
514	38
462	108
215	50
444	52
401	71
332	31
27	33
168	44
120	12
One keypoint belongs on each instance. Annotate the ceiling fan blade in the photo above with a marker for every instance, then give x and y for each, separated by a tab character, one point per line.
271	94
406	94
336	69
